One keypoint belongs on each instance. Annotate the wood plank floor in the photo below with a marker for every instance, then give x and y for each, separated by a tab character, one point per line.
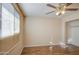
54	50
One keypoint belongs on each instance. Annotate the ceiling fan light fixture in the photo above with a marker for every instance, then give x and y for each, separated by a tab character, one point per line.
57	13
62	8
62	12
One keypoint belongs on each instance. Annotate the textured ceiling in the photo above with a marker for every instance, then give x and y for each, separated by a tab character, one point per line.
40	9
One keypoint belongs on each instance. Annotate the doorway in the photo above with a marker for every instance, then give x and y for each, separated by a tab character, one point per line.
72	32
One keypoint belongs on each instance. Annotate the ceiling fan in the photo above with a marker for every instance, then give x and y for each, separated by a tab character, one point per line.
61	8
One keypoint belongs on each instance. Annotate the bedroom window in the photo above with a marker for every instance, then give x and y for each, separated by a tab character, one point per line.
10	21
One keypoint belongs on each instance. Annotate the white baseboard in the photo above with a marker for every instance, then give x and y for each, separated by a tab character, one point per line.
59	43
39	45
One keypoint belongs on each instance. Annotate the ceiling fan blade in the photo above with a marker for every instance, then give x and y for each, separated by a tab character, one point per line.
68	4
51	6
71	9
49	12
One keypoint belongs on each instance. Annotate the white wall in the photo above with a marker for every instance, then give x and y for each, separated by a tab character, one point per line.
41	30
66	19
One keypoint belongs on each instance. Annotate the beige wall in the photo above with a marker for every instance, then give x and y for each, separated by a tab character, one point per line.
41	30
72	17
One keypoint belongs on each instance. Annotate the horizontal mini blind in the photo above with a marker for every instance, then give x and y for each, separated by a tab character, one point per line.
17	22
10	20
7	20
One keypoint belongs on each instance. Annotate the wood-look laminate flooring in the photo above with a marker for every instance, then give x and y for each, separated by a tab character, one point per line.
53	50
